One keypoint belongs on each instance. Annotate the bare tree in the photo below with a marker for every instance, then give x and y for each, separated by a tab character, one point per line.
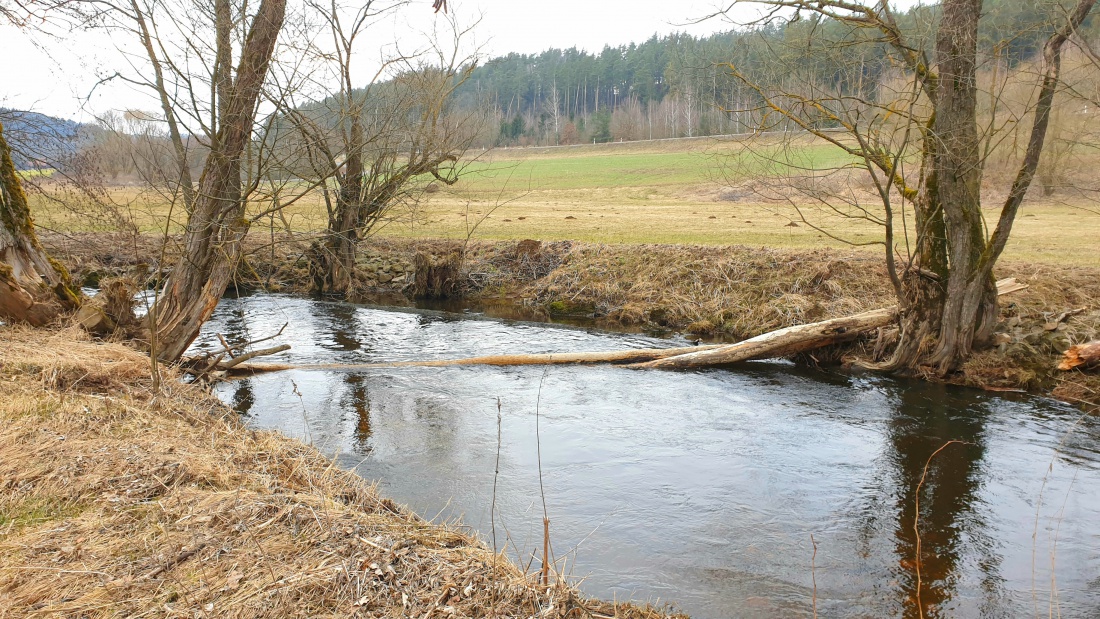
187	62
922	149
380	144
553	108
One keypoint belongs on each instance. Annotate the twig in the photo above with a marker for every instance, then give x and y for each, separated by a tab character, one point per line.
916	518
228	365
496	474
183	556
228	348
542	490
813	571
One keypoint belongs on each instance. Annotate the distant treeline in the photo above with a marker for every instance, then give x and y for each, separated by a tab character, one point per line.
666	87
679	85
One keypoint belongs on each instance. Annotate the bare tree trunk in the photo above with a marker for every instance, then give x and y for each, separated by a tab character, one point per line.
217	225
949	303
33	288
338	255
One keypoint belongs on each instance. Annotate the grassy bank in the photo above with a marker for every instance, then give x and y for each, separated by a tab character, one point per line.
120	501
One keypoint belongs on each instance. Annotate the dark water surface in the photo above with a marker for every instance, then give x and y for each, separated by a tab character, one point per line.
699	488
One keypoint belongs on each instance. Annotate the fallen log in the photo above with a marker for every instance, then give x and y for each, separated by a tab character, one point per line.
790	341
1082	356
635	355
776	344
782	343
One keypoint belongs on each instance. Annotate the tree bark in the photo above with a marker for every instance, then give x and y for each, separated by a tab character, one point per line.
338	255
33	288
217	225
949	305
1082	356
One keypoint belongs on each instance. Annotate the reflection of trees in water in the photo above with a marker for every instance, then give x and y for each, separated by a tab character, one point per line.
339	320
357	399
928	417
243	397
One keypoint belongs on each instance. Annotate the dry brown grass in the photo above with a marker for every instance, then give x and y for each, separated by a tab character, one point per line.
115	501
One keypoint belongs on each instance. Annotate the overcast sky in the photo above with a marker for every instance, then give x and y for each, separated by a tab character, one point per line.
59	81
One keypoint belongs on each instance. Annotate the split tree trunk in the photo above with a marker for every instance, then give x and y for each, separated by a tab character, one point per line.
33	288
947	314
336	257
217	223
1082	356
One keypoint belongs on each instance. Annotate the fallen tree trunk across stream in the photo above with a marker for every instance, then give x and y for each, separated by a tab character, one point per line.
782	343
636	355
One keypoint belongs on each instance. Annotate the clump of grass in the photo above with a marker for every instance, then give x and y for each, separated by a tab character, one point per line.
118	501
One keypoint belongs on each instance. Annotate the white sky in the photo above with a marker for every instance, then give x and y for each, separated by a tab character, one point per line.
58	81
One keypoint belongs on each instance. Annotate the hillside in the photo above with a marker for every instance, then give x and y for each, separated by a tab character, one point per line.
40	141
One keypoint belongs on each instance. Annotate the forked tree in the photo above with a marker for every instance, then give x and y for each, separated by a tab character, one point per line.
374	149
216	222
921	145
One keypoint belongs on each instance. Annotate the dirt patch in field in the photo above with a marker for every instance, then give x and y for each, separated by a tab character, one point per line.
116	500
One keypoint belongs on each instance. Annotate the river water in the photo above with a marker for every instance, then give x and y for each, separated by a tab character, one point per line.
702	489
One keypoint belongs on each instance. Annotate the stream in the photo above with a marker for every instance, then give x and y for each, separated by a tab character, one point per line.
701	489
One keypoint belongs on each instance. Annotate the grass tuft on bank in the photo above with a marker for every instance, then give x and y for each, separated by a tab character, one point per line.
118	501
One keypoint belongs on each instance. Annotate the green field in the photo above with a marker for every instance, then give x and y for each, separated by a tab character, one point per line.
667	164
672	191
36	173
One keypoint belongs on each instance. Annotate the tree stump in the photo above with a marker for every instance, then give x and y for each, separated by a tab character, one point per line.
437	277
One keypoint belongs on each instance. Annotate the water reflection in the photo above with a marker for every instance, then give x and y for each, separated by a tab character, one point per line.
243	397
337	326
926	420
357	399
703	487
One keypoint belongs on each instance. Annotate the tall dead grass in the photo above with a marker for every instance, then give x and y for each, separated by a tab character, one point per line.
118	501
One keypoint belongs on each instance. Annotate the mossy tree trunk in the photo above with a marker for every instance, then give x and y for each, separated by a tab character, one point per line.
949	304
33	288
946	293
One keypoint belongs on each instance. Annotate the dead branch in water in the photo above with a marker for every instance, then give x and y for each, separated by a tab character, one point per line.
782	343
577	358
211	365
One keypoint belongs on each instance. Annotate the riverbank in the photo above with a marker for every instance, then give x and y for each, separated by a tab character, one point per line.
722	293
119	499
